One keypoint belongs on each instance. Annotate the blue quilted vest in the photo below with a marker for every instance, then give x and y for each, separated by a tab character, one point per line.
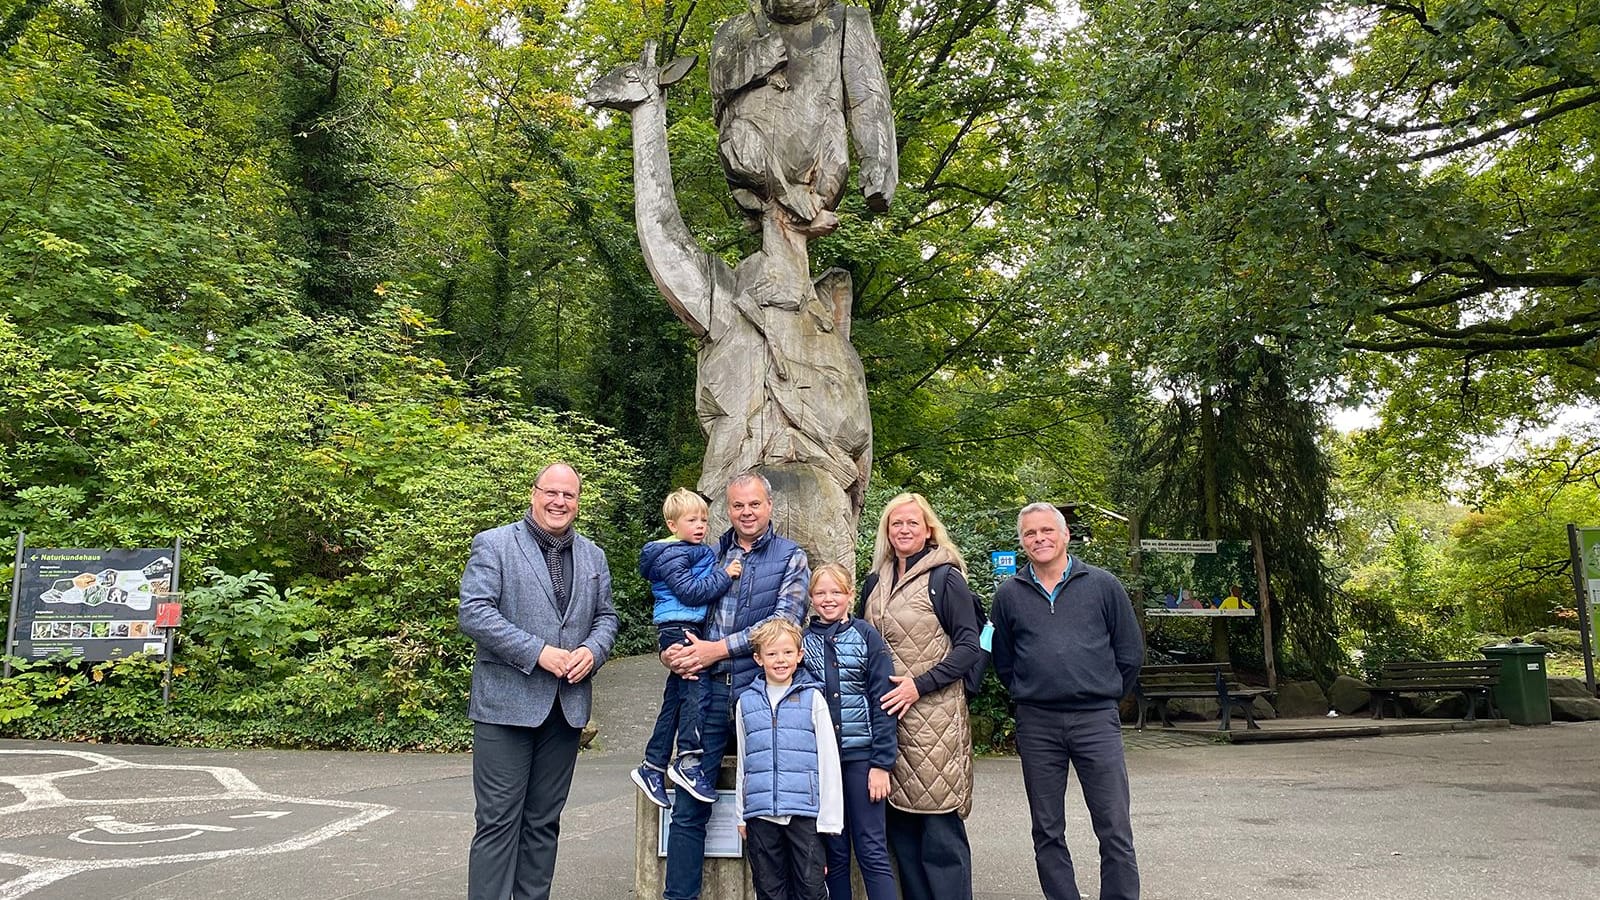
836	656
755	590
780	751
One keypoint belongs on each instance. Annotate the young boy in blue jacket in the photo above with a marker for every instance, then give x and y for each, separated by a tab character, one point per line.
851	661
685	581
788	789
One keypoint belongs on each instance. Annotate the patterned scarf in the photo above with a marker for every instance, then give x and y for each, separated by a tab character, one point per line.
557	550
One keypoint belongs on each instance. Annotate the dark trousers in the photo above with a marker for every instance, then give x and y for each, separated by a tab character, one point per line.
785	860
680	709
933	855
865	829
520	778
1090	742
686	838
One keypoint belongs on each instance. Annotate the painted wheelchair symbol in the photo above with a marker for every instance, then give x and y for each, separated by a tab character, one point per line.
106	829
138	832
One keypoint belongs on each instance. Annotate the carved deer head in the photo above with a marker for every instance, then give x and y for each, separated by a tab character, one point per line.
637	83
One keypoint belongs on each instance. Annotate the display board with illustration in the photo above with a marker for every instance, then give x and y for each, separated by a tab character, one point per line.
1589	558
1198	578
93	604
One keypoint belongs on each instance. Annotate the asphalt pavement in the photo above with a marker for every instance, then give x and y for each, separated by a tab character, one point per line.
1509	813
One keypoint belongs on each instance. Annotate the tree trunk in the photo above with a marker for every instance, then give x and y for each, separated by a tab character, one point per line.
1210	496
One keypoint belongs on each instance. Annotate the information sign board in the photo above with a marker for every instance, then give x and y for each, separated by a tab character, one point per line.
91	603
722	830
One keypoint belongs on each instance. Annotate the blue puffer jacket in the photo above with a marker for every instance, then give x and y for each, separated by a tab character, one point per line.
756	590
684	579
851	661
780	751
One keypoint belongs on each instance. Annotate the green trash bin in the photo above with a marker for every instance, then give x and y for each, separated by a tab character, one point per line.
1523	695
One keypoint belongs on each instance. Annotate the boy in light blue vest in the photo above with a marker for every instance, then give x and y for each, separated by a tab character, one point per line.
788	790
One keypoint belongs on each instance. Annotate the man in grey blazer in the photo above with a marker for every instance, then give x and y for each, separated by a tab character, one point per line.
536	600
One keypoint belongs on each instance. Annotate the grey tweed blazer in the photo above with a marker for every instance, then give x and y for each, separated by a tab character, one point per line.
508	608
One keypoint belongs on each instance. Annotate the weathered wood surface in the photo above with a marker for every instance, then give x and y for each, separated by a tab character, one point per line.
779	387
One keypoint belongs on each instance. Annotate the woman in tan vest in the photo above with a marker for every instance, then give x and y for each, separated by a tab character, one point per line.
934	640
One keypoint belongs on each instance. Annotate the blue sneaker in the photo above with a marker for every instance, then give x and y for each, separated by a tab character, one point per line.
700	785
653	784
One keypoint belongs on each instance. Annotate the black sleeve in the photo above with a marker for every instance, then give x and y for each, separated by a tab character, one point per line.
1000	644
880	665
957	616
1127	640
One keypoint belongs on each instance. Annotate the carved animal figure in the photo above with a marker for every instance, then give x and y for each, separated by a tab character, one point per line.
779	387
788	79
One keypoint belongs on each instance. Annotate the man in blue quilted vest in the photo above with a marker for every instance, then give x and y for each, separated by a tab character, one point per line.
771	586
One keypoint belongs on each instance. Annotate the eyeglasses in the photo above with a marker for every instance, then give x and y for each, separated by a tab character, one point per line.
568	496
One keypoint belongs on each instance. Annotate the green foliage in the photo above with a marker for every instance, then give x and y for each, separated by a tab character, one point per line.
1429	579
355	465
245	621
994	725
316	286
120	701
1509	565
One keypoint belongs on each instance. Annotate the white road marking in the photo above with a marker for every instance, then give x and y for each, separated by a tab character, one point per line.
114	826
262	814
78	836
42	792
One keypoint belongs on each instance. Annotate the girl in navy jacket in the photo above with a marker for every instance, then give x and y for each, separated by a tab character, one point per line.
849	659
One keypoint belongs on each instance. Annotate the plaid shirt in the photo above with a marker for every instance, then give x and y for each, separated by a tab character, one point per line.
791	602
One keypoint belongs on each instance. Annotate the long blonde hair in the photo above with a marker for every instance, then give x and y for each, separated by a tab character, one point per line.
883	551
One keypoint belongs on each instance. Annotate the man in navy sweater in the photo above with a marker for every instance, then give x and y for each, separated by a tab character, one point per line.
1067	646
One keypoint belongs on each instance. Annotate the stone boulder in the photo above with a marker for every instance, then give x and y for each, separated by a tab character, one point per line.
1301	700
1446	706
1349	695
586	737
1569	687
1574	709
1193	708
1263	709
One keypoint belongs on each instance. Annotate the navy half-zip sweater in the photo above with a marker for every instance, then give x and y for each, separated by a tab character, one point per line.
1076	648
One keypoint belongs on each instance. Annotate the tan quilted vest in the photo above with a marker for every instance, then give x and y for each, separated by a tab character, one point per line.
933	773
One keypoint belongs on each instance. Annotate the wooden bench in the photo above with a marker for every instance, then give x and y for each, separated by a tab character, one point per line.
1472	678
1198	681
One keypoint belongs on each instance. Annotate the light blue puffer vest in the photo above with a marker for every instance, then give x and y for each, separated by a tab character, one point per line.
780	752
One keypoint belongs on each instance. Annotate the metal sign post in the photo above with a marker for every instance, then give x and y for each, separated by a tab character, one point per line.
1583	570
169	615
16	591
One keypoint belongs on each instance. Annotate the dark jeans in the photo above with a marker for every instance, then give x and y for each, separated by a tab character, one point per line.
520	779
932	852
1049	741
865	829
785	860
686	838
680	709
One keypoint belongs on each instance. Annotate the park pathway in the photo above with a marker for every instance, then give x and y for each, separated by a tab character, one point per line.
1508	813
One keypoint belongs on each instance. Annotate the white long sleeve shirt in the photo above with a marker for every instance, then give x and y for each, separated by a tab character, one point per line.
830	781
